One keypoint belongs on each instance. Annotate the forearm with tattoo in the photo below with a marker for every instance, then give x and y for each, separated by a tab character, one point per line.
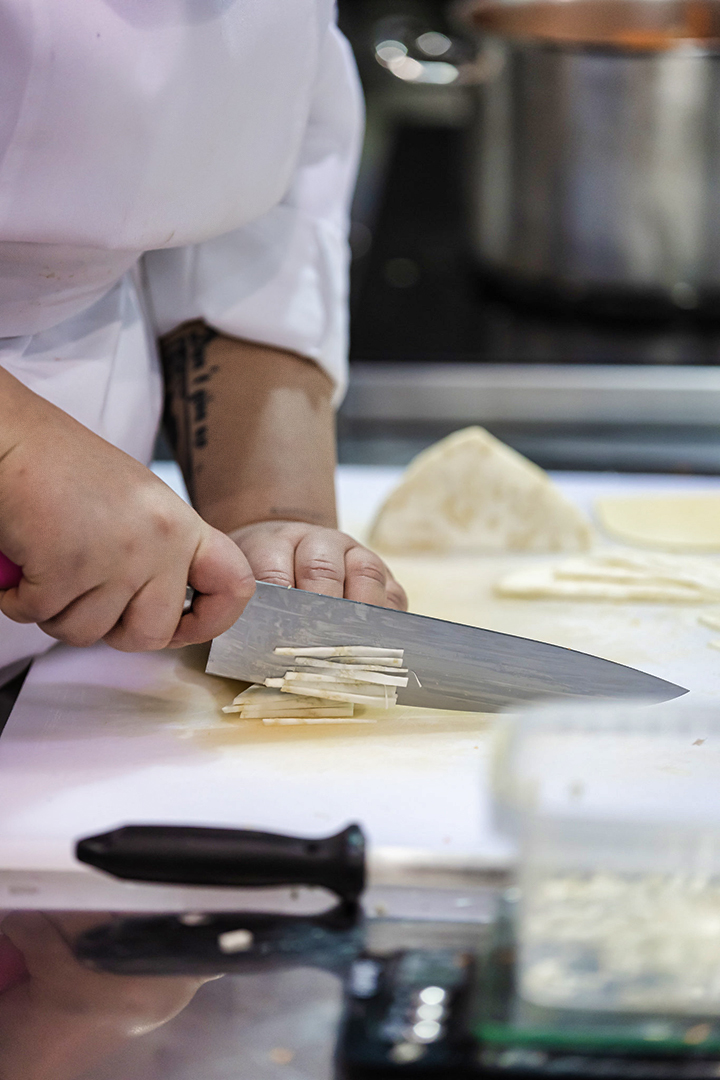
251	427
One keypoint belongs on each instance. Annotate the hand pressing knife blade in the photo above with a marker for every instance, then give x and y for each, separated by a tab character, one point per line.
458	667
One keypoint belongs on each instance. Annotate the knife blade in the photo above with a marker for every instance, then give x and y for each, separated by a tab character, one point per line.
459	667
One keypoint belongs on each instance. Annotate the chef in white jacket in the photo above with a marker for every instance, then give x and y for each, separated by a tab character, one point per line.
175	171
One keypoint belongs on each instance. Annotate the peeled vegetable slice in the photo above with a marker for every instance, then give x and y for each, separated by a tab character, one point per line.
293	721
324	652
322	687
658	578
261	702
672	522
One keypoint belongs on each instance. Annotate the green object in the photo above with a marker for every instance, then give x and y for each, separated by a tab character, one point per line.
503	1020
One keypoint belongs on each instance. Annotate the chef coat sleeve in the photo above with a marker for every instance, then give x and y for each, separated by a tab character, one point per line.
282	280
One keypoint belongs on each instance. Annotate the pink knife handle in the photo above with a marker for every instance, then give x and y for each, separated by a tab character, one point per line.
10	573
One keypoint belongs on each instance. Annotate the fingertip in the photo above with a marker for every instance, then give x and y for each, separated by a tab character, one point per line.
271	557
396	596
366	577
11	606
320	563
211	615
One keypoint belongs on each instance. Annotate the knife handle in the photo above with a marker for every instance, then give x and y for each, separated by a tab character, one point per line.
186	855
10	573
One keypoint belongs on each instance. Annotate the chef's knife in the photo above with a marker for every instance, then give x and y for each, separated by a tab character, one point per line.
458	667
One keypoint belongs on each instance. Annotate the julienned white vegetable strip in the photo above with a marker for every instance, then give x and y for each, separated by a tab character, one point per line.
345	675
324	652
348	695
292	709
268	698
294	720
355	677
260	694
292	685
350	666
259	703
296	686
369	677
356	661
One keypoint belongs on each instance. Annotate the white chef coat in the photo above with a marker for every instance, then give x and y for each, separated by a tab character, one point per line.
164	160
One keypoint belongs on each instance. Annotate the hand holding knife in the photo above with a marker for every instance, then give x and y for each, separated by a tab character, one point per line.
11	575
459	667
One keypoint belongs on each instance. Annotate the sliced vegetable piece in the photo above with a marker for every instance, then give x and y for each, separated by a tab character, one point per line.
323	652
295	679
355	677
351	664
292	720
260	695
345	695
335	709
258	702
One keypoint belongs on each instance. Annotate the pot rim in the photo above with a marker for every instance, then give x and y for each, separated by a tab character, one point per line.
467	11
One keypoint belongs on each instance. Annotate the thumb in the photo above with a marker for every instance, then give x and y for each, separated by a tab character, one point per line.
223	583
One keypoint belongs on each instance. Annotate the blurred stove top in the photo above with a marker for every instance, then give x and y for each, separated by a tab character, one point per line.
435	345
417	296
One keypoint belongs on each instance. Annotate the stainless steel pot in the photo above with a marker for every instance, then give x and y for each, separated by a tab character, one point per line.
595	152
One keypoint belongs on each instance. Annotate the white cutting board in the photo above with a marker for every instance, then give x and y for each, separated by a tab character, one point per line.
100	738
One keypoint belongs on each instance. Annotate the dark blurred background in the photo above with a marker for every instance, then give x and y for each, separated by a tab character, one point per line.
437	343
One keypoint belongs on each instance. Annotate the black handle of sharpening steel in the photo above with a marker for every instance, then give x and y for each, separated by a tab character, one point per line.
187	855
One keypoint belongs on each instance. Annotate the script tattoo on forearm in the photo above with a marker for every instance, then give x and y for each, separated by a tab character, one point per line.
188	376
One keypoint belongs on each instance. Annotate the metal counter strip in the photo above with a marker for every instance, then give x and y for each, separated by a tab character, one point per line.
526	393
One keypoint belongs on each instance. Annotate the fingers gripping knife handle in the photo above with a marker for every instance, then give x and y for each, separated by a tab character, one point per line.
10	573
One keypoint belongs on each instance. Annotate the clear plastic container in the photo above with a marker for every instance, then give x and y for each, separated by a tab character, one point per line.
616	812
